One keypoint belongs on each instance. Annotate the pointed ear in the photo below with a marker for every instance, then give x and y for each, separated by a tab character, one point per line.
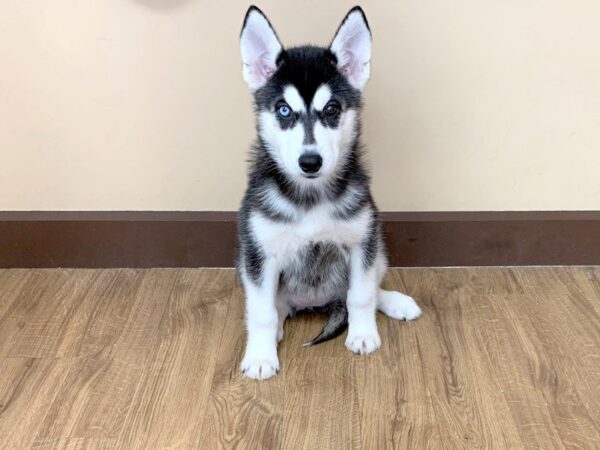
352	48
260	48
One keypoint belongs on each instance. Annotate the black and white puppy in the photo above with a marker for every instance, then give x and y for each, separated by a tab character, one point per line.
309	234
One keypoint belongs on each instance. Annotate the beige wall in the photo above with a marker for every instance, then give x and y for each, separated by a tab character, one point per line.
140	104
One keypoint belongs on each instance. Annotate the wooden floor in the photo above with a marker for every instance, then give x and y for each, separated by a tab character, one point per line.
119	359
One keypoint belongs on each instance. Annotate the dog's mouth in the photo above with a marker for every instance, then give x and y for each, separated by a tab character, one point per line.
310	176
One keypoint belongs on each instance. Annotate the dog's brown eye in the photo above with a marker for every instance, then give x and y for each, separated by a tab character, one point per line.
332	109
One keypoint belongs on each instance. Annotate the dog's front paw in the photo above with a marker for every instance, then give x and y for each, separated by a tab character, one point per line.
363	344
398	306
259	368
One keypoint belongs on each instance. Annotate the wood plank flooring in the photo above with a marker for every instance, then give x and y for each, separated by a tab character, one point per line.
503	358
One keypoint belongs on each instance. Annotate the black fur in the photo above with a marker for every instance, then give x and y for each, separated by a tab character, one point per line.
307	68
336	323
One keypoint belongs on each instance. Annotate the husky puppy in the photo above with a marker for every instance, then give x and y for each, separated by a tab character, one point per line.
309	236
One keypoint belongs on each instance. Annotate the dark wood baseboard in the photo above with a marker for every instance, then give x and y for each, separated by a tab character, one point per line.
207	239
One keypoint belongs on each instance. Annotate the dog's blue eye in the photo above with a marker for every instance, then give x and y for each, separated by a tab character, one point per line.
284	111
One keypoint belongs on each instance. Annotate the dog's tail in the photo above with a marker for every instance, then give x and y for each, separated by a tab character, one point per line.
336	324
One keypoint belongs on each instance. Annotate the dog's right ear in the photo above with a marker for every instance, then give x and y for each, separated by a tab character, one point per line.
260	48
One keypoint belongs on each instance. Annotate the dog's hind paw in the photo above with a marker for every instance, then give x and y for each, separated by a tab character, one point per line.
397	306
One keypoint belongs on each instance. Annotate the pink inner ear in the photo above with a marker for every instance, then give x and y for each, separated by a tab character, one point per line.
345	70
352	46
265	67
260	69
259	57
348	63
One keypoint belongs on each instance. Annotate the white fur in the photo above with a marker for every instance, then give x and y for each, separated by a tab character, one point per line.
363	337
334	143
293	98
280	241
397	306
321	97
286	146
278	203
349	200
262	320
266	311
352	47
260	47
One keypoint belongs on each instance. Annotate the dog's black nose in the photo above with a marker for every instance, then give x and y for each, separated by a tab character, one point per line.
310	162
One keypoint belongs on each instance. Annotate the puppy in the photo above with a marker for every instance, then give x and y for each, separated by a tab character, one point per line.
309	235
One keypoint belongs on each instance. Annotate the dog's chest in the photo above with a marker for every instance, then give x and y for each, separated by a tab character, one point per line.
319	224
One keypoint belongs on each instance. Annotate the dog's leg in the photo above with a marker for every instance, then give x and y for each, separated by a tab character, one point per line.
283	311
260	359
361	302
397	305
391	303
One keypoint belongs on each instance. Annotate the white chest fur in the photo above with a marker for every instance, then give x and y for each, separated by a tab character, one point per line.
284	240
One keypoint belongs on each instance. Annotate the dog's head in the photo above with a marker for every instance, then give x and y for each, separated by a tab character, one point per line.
307	98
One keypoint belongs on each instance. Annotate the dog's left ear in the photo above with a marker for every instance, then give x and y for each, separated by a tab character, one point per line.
260	47
352	48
